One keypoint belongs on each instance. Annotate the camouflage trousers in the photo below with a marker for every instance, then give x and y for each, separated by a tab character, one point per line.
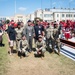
42	51
49	42
57	43
24	51
18	44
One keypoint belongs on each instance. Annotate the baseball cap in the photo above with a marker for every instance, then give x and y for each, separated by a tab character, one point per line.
40	36
29	20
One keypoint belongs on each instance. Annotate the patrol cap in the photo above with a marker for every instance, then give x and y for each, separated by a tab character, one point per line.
37	19
40	36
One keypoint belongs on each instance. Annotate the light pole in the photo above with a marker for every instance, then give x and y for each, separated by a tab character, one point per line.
41	10
69	9
15	7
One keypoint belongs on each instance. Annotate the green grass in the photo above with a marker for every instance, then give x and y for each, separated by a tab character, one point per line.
3	56
60	64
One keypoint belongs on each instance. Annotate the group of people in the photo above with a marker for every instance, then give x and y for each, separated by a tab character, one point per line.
68	29
24	36
45	38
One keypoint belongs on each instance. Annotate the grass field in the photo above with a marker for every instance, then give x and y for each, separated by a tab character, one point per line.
51	65
3	57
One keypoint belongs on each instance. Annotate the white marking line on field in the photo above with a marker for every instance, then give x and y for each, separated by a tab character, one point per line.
67	54
69	49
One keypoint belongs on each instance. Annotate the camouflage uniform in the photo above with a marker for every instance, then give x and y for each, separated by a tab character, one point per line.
23	47
49	37
56	38
18	36
40	47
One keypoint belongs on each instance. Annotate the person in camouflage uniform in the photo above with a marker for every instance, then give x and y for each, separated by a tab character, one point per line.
49	37
40	46
56	33
19	32
23	46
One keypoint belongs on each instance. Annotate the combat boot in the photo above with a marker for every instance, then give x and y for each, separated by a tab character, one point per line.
58	51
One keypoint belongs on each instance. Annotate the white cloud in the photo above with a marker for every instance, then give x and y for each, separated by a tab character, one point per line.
53	3
22	8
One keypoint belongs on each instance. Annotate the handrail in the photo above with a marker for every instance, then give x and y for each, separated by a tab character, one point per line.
68	43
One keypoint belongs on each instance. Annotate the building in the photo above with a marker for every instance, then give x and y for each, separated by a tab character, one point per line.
3	18
19	17
54	14
46	14
63	14
32	16
28	17
16	18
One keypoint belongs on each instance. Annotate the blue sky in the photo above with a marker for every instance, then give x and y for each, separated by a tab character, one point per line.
7	7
